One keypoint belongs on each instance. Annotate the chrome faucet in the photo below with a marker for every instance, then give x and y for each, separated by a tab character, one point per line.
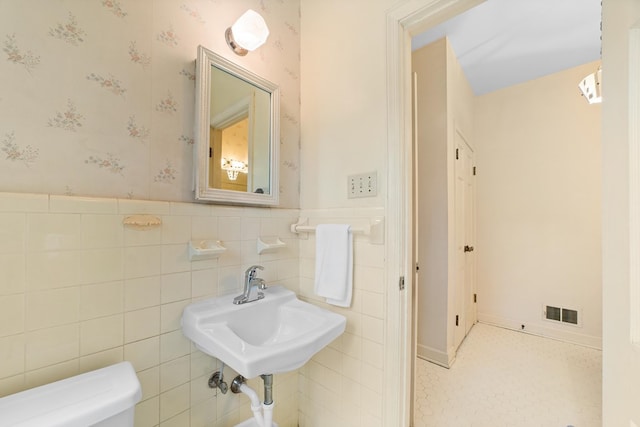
251	282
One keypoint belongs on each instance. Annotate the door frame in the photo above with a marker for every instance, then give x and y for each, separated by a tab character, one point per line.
403	21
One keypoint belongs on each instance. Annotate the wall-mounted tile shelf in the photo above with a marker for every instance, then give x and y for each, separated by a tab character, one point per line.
269	244
205	249
142	221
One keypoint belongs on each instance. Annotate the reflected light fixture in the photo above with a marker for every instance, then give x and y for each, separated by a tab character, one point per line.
249	32
234	167
591	87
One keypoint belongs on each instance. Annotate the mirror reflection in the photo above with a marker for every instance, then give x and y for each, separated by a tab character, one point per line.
237	130
239	134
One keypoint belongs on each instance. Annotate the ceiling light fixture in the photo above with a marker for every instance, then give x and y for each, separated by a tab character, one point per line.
233	168
248	33
591	87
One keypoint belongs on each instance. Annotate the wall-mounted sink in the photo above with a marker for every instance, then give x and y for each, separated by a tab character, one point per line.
278	333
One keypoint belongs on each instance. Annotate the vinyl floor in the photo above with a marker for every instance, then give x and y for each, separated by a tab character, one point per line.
508	378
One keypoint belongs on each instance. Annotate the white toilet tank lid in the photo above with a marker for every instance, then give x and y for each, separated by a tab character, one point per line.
78	401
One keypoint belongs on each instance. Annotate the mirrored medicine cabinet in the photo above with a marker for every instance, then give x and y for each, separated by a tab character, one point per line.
237	133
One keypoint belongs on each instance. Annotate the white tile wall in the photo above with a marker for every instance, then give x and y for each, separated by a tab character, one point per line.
342	384
79	291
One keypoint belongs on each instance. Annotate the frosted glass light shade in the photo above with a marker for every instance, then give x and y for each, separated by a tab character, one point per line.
248	33
233	167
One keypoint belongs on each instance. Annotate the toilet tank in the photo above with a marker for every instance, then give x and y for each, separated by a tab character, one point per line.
102	398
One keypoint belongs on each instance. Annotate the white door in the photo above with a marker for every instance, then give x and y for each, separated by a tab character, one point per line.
464	288
470	237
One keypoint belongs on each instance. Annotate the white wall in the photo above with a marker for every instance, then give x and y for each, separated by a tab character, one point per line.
344	131
343	94
539	198
430	64
621	367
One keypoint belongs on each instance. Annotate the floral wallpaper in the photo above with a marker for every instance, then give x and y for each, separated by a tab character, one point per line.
97	96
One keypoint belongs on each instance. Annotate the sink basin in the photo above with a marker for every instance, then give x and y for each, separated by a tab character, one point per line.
278	333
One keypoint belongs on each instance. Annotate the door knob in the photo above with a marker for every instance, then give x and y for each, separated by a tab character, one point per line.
468	248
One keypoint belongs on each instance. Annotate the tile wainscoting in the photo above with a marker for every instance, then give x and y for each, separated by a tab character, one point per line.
79	291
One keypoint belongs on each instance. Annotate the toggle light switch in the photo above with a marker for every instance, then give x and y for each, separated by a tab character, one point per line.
362	185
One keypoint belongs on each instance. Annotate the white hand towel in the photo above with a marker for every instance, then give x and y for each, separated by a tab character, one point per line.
334	263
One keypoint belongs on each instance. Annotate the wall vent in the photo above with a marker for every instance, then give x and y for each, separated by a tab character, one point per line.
553	313
569	316
561	314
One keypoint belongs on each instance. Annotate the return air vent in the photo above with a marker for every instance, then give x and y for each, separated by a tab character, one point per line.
561	314
553	313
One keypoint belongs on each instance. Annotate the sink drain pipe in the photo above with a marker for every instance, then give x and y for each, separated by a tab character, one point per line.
238	385
267	406
263	414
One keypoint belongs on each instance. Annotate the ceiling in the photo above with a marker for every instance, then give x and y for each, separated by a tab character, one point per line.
505	42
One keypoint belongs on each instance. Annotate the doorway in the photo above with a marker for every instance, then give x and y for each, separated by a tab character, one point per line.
401	126
403	21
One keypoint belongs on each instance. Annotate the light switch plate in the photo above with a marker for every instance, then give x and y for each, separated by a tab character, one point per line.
362	185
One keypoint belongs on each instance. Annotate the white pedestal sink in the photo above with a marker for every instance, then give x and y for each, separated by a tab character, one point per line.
276	334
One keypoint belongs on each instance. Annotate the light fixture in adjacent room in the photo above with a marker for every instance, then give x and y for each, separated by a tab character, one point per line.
248	33
234	167
591	87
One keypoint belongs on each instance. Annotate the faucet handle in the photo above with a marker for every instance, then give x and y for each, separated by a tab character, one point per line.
260	283
251	271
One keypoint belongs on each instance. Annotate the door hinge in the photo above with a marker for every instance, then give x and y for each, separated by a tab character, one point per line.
457	319
210	152
475	297
401	283
474	171
417	267
457	157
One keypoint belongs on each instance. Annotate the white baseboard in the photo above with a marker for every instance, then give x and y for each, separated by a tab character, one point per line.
433	355
565	334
